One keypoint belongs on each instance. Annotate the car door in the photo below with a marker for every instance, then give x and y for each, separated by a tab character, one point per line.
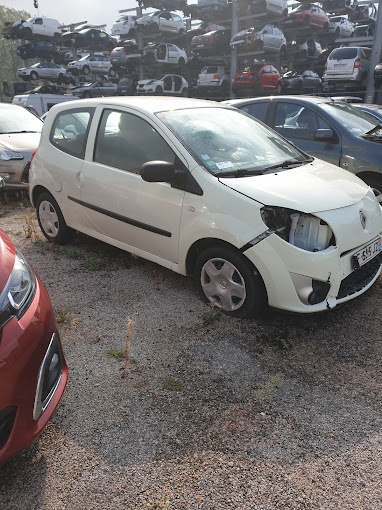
117	202
268	37
173	54
299	124
44	71
266	77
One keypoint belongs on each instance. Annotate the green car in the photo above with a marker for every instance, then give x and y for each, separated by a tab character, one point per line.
331	130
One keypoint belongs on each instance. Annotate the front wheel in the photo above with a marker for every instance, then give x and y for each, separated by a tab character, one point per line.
112	73
86	70
34	76
51	220
227	278
278	89
158	91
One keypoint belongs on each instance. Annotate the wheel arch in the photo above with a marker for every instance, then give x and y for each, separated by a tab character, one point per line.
371	177
199	246
36	192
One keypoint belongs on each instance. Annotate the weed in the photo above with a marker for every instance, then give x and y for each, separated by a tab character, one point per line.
30	227
62	315
126	346
115	353
214	313
172	384
93	263
13	232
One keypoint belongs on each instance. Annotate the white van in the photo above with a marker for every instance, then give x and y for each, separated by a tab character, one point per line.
42	103
41	26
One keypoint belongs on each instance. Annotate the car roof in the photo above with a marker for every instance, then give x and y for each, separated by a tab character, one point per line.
298	99
367	106
149	105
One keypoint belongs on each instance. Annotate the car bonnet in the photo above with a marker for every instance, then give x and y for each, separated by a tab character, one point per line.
310	188
20	142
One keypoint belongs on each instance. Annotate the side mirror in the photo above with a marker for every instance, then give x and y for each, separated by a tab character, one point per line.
2	182
162	171
324	135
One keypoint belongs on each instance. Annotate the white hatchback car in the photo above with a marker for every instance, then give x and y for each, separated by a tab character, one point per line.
340	26
170	84
162	21
202	188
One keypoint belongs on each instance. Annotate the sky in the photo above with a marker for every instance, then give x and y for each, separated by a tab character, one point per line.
96	12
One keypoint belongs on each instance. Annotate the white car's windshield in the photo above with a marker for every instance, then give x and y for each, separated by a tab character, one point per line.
224	140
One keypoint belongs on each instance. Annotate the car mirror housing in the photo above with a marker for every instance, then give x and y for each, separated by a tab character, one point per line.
324	135
161	171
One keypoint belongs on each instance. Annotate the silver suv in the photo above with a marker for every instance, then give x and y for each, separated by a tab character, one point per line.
214	79
348	64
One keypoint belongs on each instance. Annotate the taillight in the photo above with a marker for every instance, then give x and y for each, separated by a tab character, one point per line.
357	63
216	77
198	78
33	154
123	52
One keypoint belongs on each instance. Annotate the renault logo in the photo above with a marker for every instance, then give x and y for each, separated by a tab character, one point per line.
362	217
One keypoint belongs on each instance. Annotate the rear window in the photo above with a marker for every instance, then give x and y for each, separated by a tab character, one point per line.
210	70
343	53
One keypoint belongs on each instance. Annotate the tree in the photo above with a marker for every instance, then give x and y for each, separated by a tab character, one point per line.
10	62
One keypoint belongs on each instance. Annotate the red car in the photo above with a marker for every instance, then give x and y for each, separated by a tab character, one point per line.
33	372
311	15
257	79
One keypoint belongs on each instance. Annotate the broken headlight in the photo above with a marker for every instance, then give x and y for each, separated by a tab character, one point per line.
305	231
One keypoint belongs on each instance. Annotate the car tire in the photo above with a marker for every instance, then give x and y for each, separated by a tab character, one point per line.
60	79
112	73
326	25
337	32
185	92
86	70
181	63
34	76
283	52
86	95
278	89
52	221
318	89
227	278
159	91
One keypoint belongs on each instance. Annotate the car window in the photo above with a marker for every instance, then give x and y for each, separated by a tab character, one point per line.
343	53
119	142
70	129
257	110
296	121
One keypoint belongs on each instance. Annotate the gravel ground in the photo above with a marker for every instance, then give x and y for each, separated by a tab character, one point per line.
278	413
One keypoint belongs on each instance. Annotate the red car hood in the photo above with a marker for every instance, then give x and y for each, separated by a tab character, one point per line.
7	258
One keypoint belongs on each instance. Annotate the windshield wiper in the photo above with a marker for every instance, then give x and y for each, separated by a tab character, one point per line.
373	131
288	163
241	172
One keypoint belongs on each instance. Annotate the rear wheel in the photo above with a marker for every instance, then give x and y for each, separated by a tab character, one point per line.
278	89
86	94
51	220
158	91
185	92
375	182
227	278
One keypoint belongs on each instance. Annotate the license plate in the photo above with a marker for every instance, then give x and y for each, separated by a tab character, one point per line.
199	45
367	253
339	65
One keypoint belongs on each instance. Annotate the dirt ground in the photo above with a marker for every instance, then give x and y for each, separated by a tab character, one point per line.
208	412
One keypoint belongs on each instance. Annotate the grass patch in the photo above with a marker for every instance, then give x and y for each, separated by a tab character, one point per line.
172	384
